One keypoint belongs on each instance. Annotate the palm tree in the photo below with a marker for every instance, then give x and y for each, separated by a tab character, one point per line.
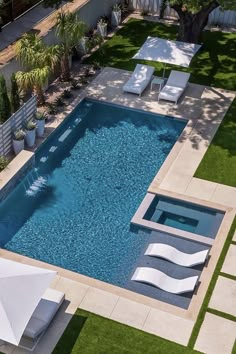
69	30
39	61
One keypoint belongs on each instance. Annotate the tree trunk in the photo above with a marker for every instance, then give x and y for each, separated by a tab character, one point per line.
40	95
192	25
65	67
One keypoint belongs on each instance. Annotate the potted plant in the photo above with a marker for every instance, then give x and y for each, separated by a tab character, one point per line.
30	133
40	121
83	46
102	27
116	15
18	141
3	162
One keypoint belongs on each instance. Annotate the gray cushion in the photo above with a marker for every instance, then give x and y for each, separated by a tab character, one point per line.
44	313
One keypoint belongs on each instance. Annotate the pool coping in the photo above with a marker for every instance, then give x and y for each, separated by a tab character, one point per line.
96	90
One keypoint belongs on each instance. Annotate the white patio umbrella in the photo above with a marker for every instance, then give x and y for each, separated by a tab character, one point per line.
166	51
21	288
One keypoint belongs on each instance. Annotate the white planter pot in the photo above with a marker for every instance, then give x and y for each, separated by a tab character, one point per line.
18	146
30	137
40	127
102	30
115	18
83	45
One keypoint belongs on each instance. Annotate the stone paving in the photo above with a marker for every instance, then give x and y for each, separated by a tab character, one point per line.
217	335
205	108
229	265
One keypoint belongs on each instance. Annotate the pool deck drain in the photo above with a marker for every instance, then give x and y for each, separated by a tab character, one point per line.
204	108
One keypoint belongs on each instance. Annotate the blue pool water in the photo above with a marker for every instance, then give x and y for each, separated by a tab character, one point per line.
185	216
74	208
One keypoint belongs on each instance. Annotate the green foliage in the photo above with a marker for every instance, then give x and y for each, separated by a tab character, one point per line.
38	59
15	96
3	163
19	134
5	106
69	30
30	125
195	6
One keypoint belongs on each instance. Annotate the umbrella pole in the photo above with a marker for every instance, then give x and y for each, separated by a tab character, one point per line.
164	69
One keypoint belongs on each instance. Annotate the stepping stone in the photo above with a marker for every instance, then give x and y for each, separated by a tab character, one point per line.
216	336
225	289
229	265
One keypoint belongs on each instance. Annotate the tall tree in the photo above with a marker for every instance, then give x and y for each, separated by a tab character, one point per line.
39	60
15	97
193	16
69	30
5	106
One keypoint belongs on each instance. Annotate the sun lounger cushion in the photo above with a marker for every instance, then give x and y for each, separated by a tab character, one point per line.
139	80
175	86
44	313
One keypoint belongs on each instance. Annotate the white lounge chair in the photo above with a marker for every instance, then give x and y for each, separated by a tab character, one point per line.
163	281
175	256
41	318
174	87
139	80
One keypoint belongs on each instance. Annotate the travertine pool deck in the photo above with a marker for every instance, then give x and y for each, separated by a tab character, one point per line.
204	108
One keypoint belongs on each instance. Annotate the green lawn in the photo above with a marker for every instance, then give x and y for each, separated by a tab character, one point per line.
214	65
88	333
219	162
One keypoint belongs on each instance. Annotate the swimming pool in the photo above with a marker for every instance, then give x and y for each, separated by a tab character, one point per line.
73	209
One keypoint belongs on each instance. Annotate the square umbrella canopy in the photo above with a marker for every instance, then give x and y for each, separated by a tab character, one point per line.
21	288
166	51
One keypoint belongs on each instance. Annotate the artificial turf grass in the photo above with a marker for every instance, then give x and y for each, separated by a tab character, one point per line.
211	287
213	65
219	162
88	333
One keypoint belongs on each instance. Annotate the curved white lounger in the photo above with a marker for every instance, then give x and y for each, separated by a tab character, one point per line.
161	280
175	256
139	80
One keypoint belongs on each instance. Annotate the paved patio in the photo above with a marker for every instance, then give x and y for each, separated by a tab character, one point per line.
205	108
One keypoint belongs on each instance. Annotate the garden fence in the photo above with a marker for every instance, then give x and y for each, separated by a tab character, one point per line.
16	121
217	17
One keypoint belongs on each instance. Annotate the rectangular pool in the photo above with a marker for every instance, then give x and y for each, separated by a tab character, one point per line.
73	209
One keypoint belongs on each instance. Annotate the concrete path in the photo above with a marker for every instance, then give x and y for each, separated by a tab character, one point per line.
218	334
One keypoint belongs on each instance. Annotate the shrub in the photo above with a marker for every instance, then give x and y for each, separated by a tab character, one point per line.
75	85
51	109
66	94
144	13
58	102
15	96
3	163
5	106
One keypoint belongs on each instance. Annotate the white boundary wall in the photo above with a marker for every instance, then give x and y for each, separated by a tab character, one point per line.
16	121
217	17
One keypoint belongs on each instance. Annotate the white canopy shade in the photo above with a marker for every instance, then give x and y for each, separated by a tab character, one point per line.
21	288
166	51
